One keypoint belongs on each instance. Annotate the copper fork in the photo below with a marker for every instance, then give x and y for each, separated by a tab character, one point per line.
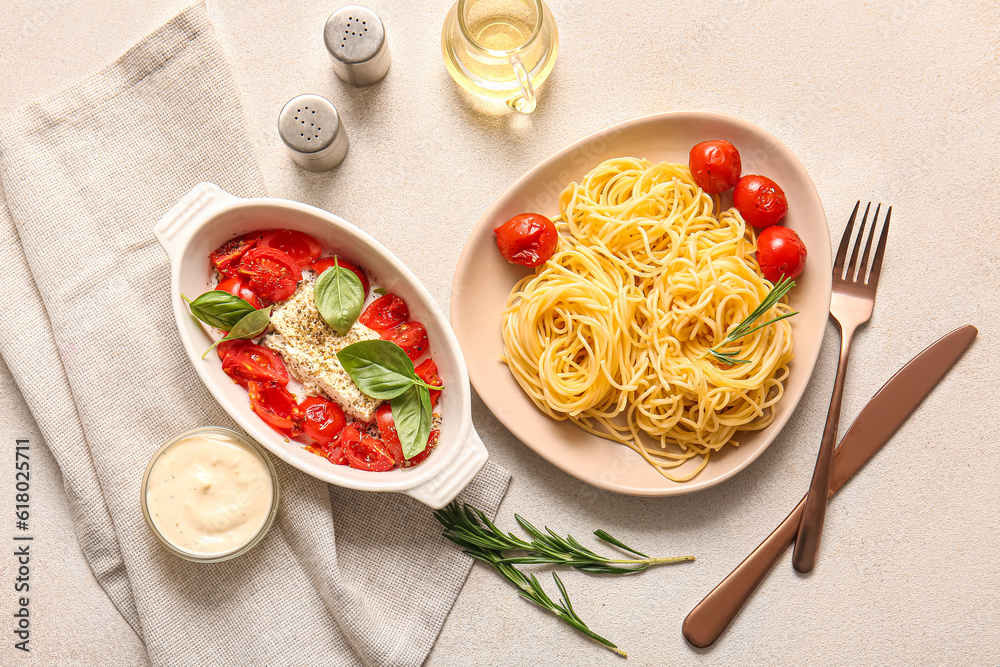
850	306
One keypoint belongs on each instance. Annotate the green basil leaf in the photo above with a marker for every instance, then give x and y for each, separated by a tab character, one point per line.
380	368
411	413
339	296
251	326
219	309
380	291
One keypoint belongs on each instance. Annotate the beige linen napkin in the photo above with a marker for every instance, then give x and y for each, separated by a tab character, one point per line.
343	577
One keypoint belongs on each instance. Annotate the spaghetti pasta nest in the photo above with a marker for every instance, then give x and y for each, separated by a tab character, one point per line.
613	331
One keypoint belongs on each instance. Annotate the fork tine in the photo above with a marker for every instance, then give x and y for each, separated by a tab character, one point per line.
863	268
852	268
845	241
879	252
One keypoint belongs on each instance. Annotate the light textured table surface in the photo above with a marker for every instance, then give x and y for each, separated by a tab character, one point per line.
894	102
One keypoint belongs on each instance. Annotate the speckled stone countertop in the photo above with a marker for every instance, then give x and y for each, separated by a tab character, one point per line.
892	102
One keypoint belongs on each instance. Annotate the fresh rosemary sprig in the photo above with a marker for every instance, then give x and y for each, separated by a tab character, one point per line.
472	530
470	527
746	326
532	591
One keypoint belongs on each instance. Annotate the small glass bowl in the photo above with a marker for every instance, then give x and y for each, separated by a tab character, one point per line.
236	551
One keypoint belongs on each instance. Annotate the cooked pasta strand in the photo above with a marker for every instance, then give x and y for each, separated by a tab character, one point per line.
612	332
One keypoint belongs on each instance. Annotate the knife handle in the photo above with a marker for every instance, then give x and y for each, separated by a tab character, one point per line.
885	412
710	618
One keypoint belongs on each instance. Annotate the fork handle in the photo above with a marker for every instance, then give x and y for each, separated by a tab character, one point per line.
814	510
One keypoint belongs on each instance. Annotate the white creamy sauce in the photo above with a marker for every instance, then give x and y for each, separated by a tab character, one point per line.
209	494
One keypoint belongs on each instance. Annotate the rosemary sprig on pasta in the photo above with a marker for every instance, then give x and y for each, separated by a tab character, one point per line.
744	328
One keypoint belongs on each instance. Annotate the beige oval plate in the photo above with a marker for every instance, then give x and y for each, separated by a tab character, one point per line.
483	281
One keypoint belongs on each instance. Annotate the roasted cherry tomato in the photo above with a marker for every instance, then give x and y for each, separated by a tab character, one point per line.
227	346
351	433
385	312
336	456
432	442
322	419
235	287
251	362
276	406
780	252
334	452
302	248
369	454
760	201
411	336
528	239
428	372
321	265
387	429
270	273
715	165
226	258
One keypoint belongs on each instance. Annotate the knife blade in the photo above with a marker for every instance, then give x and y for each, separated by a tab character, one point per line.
879	419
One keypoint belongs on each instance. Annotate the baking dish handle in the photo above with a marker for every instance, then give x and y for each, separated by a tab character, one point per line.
442	489
188	215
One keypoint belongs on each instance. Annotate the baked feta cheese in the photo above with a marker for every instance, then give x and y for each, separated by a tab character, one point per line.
309	347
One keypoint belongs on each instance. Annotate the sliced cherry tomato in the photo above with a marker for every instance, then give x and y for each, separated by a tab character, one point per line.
323	419
321	265
411	336
270	273
227	346
432	442
238	379
226	258
387	429
428	372
336	456
351	433
715	165
333	453
276	406
369	454
302	248
362	451
251	362
760	201
780	252
385	312
235	287
528	239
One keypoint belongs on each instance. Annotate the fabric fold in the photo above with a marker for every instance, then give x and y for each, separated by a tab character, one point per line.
35	364
344	577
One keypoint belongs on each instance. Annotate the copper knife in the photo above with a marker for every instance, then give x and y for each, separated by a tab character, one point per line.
885	412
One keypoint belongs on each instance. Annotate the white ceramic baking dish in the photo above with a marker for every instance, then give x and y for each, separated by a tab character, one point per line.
208	216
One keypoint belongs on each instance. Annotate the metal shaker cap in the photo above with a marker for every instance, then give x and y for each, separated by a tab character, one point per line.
311	129
355	37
